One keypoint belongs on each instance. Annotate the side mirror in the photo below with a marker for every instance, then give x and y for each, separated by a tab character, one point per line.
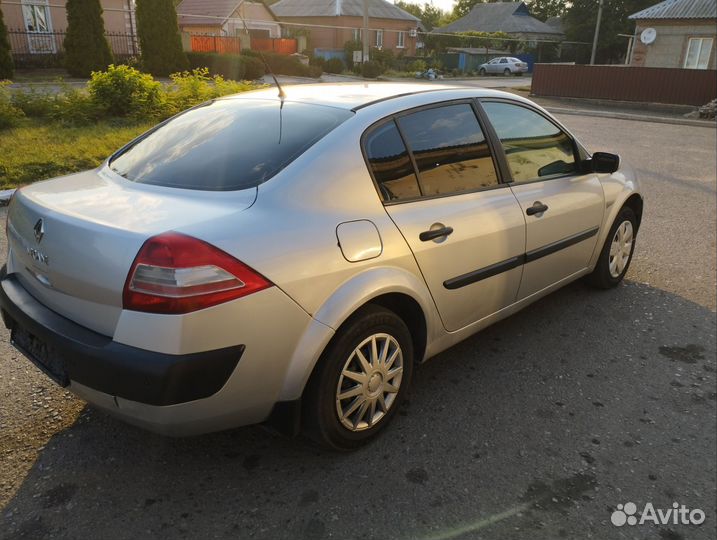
604	162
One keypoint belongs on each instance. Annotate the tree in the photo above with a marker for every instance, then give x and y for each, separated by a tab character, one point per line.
6	65
544	9
464	7
159	37
579	25
86	48
431	16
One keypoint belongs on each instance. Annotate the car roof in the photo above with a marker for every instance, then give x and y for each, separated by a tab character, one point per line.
355	95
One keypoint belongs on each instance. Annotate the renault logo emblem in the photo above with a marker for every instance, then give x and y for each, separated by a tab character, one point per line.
39	229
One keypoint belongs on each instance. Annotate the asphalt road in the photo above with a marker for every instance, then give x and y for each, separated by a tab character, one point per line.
537	428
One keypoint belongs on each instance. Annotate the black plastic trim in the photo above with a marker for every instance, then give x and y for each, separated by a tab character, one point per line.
98	362
544	251
285	417
514	262
483	273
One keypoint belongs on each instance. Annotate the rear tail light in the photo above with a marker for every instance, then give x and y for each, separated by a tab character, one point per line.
174	273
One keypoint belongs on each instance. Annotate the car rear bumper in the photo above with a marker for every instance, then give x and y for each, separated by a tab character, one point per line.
74	353
172	394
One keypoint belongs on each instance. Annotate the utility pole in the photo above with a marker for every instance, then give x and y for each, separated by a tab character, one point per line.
365	40
597	32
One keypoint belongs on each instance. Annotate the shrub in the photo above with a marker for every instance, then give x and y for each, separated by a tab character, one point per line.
282	64
6	65
318	61
124	91
253	68
417	65
86	49
229	66
334	65
315	72
191	88
349	48
73	107
159	37
371	69
9	114
34	103
384	57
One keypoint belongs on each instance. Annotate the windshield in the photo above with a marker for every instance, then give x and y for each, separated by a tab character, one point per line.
227	144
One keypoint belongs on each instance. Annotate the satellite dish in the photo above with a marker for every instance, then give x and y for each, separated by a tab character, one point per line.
648	35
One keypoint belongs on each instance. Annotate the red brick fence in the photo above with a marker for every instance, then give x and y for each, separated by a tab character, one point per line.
625	83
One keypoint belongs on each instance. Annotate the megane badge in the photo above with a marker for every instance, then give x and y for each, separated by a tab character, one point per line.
39	229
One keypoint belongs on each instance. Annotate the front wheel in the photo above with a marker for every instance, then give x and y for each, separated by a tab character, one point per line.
360	380
617	251
482	72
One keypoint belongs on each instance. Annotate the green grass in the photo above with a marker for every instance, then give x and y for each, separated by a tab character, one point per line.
36	149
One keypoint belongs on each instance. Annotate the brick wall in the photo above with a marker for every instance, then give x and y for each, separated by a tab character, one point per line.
670	46
334	38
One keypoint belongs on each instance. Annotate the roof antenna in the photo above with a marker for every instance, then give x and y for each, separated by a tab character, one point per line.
282	95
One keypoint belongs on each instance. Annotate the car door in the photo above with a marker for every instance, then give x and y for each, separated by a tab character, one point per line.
563	207
437	177
493	65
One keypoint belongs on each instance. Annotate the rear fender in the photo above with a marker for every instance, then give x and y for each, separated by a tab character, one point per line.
345	301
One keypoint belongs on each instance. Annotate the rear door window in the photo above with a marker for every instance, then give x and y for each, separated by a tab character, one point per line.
450	149
390	163
228	144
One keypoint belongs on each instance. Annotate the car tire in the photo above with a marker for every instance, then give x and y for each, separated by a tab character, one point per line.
482	72
617	251
507	72
327	418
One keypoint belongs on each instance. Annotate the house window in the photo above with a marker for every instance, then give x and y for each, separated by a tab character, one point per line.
38	24
356	34
379	38
37	16
698	53
401	40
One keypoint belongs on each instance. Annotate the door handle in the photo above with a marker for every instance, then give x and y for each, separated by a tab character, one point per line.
432	234
537	208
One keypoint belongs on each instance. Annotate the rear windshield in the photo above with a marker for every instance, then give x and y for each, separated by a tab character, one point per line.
227	144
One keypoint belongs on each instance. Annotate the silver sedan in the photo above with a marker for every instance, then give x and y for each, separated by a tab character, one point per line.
289	260
505	65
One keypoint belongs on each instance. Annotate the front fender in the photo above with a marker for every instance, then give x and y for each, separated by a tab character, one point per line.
617	187
359	290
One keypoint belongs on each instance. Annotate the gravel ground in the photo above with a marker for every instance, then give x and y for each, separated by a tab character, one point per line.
536	428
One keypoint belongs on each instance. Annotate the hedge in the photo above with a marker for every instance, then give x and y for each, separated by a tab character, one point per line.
230	66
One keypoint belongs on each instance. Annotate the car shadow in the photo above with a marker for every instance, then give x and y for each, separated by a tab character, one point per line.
535	428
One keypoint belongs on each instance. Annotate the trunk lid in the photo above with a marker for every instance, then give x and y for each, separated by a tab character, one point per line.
72	240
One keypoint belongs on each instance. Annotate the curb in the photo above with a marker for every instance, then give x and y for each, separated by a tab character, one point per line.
634	117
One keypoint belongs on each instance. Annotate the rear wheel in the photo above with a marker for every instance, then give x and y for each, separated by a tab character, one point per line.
616	254
360	380
482	72
507	72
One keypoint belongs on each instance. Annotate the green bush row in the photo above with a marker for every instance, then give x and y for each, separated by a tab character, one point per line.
230	66
118	92
282	64
250	65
